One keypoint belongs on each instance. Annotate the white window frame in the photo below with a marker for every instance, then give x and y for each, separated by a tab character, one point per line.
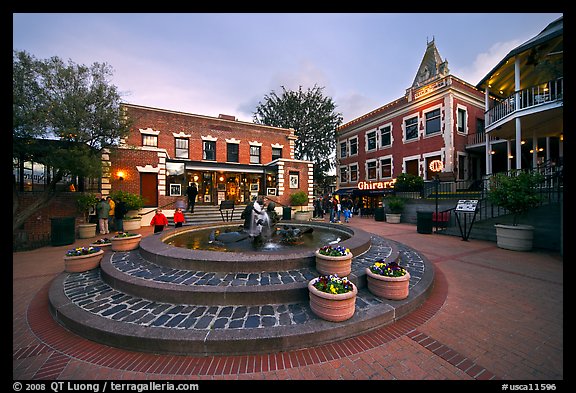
387	125
410	117
344	142
428	110
343	181
380	159
466	119
350	146
375	132
354	164
375	161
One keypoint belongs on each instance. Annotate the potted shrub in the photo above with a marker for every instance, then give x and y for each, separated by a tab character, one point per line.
86	203
125	241
300	198
134	202
332	298
396	207
409	185
81	259
334	260
388	280
516	192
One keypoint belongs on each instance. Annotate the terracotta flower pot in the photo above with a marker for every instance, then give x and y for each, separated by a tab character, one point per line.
127	243
392	288
332	307
326	265
82	263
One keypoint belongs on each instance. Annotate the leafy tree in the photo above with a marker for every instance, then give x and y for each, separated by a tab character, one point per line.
314	120
64	115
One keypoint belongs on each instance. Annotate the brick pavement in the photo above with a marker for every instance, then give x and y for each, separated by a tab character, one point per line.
493	314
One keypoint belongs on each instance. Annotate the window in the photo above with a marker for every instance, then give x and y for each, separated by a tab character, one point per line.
343	174
354	146
254	154
411	128
232	152
371	140
181	147
343	149
276	153
461	120
385	168
209	150
479	126
150	140
353	173
433	122
371	170
385	136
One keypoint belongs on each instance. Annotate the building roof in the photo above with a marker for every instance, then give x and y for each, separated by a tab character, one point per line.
553	30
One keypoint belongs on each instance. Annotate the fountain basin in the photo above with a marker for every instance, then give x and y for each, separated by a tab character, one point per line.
155	248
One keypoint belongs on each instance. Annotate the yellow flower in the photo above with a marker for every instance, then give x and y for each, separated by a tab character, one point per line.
333	289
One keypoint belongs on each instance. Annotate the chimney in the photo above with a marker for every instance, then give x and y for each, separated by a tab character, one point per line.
226	117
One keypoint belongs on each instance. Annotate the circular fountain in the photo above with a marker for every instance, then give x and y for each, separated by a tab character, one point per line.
224	290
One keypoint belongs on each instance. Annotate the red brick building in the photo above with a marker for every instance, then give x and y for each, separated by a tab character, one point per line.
424	132
227	159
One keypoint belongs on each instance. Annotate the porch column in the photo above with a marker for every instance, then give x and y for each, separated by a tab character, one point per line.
518	121
487	145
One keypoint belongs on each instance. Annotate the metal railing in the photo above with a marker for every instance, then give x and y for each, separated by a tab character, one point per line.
528	98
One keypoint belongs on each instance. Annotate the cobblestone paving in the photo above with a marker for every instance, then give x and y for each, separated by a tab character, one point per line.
88	291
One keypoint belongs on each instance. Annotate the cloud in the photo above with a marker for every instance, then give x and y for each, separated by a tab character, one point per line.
484	62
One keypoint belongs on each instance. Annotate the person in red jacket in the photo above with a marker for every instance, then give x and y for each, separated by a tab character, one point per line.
159	221
178	218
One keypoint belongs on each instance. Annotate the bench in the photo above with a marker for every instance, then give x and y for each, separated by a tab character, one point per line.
441	220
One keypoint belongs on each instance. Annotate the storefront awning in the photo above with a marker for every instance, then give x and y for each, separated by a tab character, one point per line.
353	192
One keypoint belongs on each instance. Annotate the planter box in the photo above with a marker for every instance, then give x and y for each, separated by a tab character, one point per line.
392	288
393	218
132	224
126	243
515	237
86	231
326	265
83	263
332	307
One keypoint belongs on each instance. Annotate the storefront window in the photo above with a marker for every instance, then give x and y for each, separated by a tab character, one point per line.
175	176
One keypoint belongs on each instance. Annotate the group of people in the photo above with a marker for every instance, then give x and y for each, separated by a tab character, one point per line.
110	215
337	208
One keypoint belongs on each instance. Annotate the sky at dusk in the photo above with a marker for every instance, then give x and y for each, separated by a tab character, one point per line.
225	63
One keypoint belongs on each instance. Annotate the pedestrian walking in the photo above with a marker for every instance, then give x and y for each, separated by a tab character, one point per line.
179	218
103	211
159	221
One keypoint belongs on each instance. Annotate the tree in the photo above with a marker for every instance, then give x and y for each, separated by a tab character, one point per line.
64	115
314	120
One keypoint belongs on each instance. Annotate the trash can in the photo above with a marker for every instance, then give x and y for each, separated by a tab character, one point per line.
286	213
379	214
62	231
424	222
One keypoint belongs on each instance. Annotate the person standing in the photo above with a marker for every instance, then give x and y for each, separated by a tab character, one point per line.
179	218
191	192
159	221
111	214
120	211
103	210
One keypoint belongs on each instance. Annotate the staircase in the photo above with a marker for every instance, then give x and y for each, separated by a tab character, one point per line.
209	214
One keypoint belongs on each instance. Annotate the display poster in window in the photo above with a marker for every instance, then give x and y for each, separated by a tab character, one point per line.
293	180
175	190
271	191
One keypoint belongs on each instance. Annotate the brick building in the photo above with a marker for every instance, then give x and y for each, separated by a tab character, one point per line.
424	133
227	159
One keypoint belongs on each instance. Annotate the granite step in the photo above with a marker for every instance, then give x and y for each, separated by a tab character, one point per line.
88	305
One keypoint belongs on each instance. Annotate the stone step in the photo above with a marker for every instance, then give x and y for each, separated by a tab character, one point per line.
156	320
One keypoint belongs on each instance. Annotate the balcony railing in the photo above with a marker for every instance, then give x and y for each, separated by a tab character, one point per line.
528	98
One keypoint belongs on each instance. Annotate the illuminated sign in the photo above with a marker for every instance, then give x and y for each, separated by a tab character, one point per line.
430	88
436	165
376	185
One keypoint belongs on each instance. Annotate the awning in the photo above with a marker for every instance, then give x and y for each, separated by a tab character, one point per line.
353	192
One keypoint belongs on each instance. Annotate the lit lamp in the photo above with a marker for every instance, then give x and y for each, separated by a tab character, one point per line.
120	175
